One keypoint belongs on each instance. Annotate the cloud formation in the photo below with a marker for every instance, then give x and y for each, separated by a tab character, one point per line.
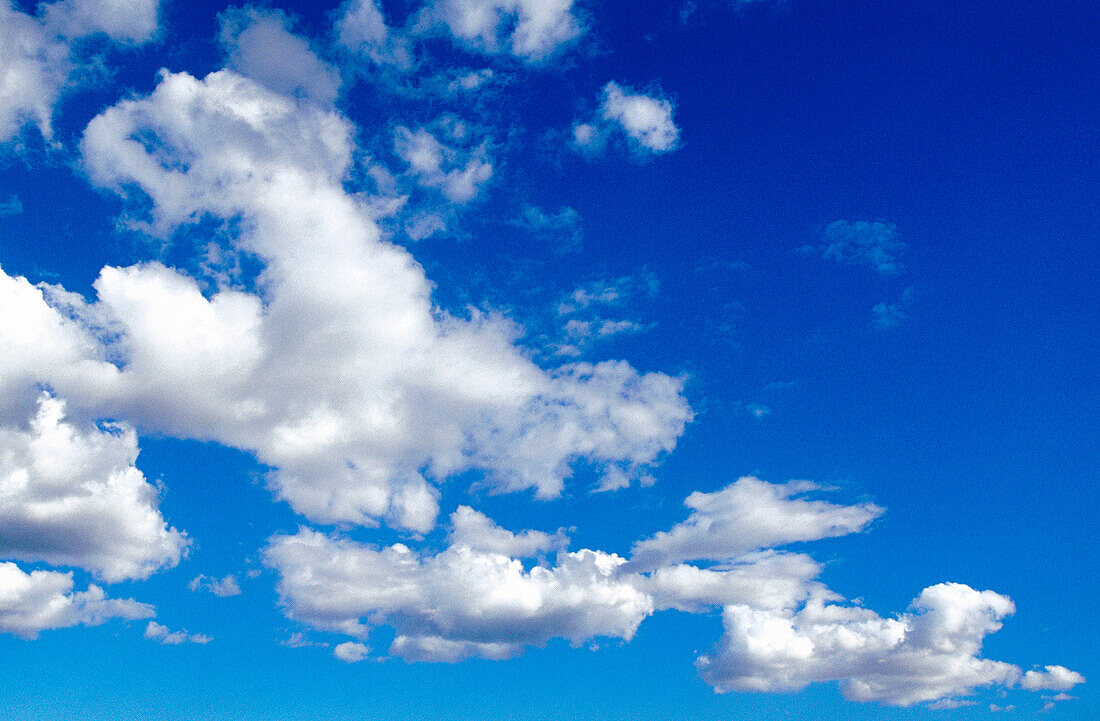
873	244
163	635
643	122
529	30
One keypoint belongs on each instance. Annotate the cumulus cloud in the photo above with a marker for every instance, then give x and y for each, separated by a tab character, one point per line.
643	121
1053	678
477	531
361	29
162	635
458	173
222	587
337	371
351	652
874	244
748	515
928	654
461	602
44	600
39	60
530	30
71	496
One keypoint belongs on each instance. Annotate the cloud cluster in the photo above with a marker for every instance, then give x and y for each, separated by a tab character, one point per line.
529	30
643	121
163	635
39	60
43	600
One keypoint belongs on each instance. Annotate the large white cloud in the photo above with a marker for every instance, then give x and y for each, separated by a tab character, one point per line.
338	371
37	58
928	654
71	496
459	603
43	600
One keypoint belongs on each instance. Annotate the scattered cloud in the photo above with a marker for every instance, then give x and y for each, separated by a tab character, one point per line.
873	244
44	600
222	587
11	206
643	122
162	635
1052	678
892	315
530	30
562	229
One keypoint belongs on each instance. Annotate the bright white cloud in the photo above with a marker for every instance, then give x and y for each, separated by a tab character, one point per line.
644	121
530	30
162	635
1053	678
351	652
476	531
338	371
38	61
748	515
458	173
44	600
71	496
929	654
459	603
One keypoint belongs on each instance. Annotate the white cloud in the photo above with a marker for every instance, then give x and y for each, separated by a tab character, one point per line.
476	531
1053	678
361	28
929	654
225	586
351	652
338	371
748	515
644	121
863	243
459	603
458	173
530	30
260	45
71	496
44	600
162	635
38	61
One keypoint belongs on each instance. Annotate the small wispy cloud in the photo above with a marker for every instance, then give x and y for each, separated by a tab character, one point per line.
226	586
162	635
892	315
860	242
12	206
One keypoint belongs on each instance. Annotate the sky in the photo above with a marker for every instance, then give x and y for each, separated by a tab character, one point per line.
549	359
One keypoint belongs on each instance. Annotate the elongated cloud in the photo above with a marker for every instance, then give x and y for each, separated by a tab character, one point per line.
44	600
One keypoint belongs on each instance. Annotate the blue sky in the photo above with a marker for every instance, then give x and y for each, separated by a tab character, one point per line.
548	359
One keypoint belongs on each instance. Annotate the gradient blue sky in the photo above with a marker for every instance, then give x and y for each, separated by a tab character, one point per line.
849	243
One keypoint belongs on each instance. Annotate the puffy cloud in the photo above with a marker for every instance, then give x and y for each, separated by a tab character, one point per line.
929	654
747	515
458	174
351	652
72	496
226	586
260	45
861	243
338	371
1053	678
361	28
477	531
43	600
38	60
530	30
162	635
459	603
644	121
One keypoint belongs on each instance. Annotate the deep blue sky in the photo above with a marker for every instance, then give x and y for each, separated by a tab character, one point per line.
969	130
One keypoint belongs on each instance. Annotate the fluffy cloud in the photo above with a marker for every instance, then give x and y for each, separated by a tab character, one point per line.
337	371
43	600
458	174
351	652
361	29
38	60
1053	678
162	635
746	516
477	531
530	30
929	654
644	121
71	496
459	603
